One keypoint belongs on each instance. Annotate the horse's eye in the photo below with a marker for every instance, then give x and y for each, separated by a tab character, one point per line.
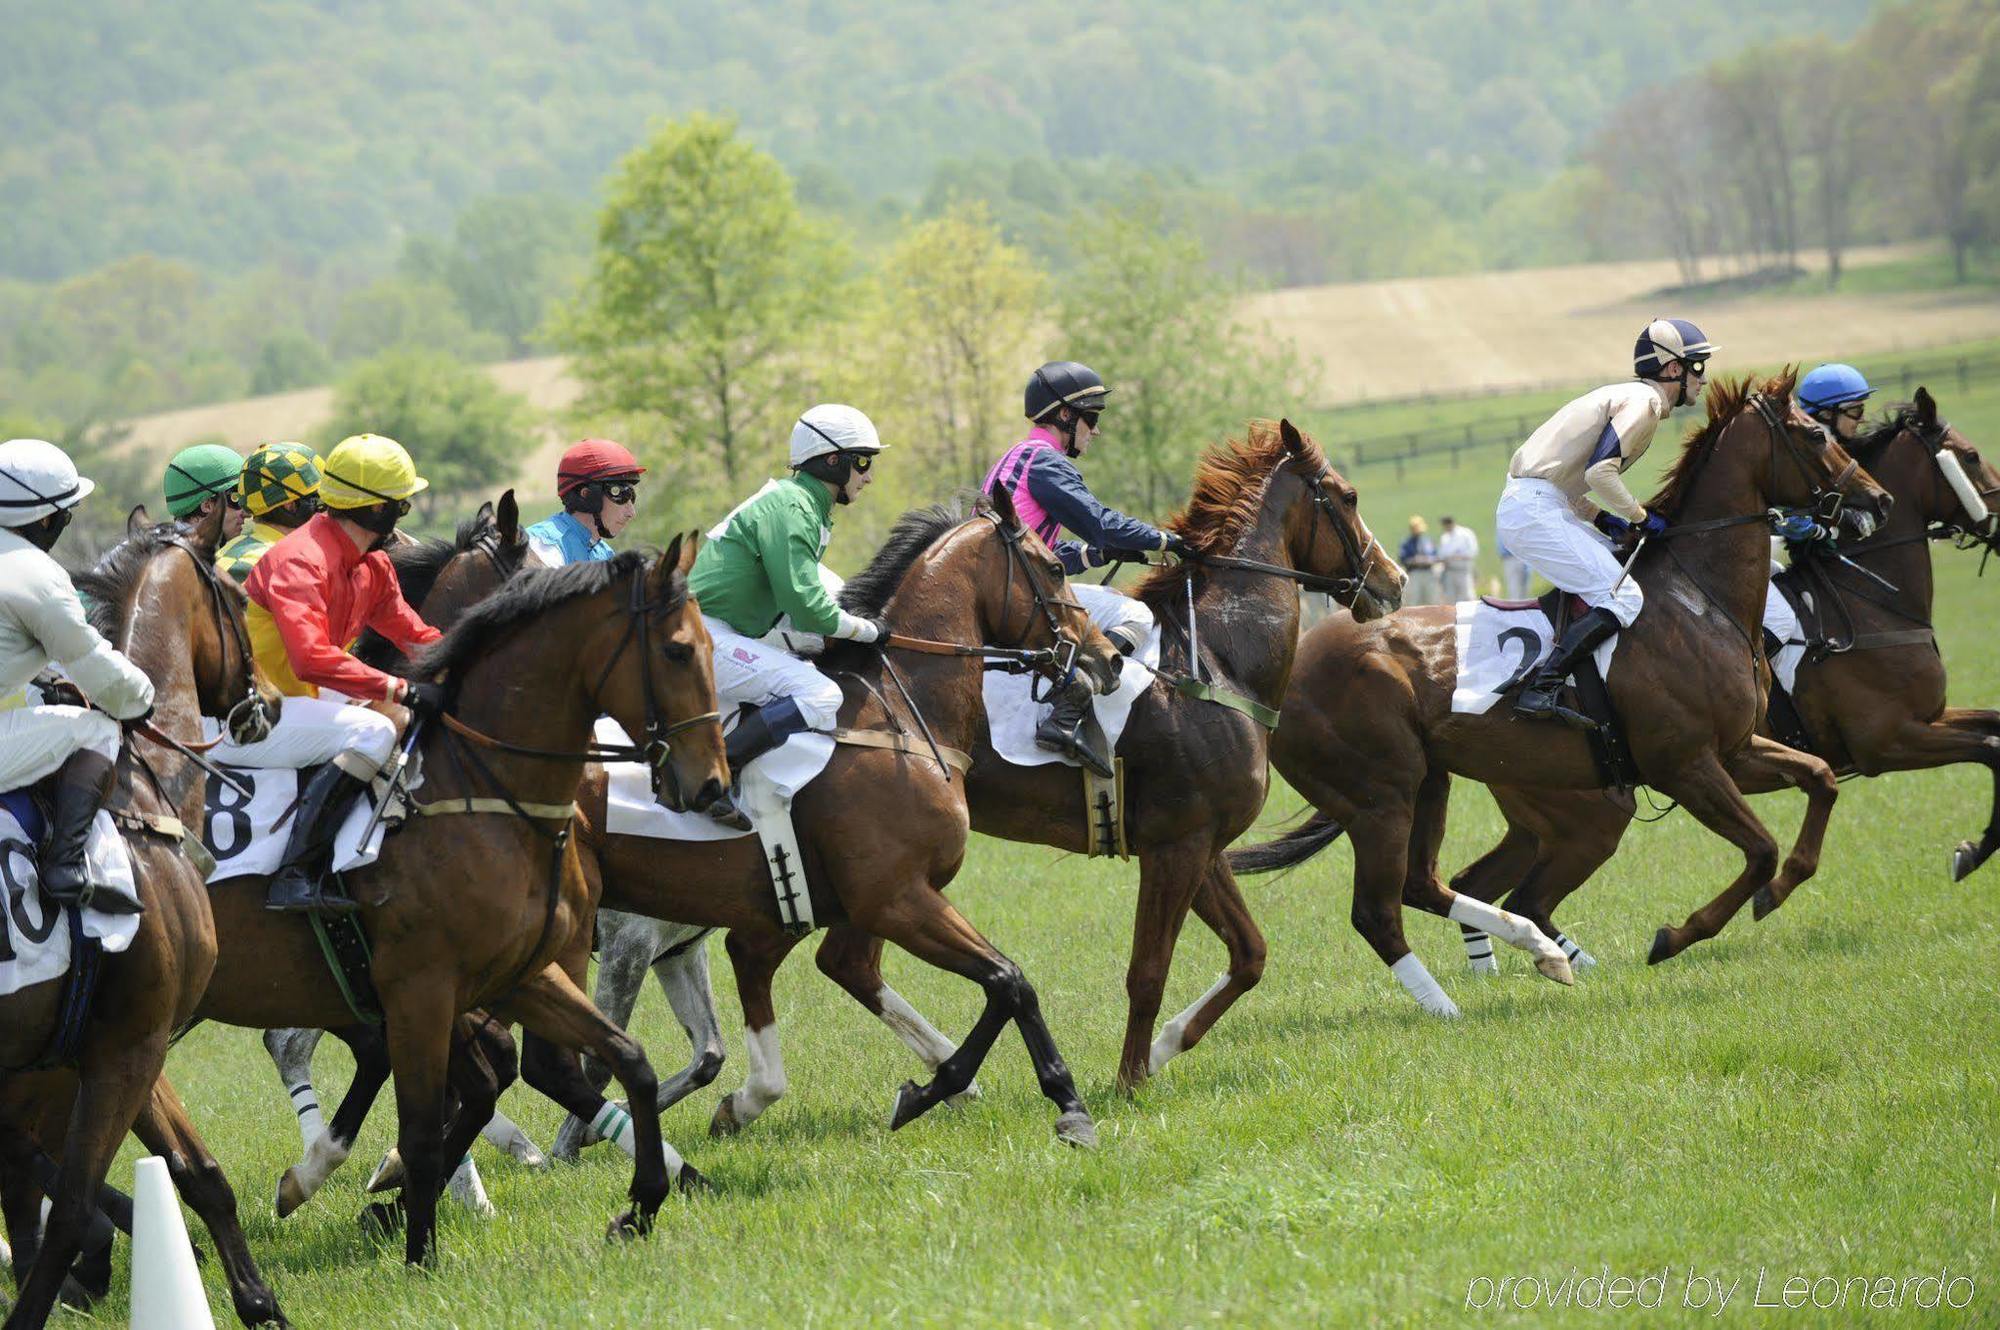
680	653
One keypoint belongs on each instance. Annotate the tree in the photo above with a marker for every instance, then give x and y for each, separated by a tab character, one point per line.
401	313
1827	88
509	257
290	358
462	430
706	292
948	339
1144	311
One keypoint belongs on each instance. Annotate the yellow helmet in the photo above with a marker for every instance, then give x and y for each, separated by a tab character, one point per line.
364	469
276	474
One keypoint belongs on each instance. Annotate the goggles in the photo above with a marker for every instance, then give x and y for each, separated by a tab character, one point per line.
621	491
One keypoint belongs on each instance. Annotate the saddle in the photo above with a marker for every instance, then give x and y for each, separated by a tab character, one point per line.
1588	695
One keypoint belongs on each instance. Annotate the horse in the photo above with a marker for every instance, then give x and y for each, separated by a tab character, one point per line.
1370	739
1874	704
468	913
157	598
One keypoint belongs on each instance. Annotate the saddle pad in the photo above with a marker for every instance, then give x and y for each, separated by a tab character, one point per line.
1012	715
34	946
1785	660
244	835
776	776
1498	649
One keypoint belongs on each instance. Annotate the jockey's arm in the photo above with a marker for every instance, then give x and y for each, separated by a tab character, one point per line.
297	606
93	664
395	620
1622	441
790	557
1055	483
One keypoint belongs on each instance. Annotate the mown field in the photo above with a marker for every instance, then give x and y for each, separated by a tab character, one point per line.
1810	1096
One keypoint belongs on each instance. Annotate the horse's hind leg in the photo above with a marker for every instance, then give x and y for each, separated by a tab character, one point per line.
1491	876
755	956
331	1147
626	946
682	974
164	1127
1219	903
1380	835
853	959
291	1052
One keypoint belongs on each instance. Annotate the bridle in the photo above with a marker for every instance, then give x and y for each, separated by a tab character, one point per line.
1360	560
1059	667
1827	499
249	714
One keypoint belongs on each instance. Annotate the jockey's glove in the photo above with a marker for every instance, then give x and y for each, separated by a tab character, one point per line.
424	698
1175	544
1654	525
881	637
1612	525
1800	529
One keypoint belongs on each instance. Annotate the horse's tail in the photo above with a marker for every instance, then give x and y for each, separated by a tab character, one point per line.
1289	850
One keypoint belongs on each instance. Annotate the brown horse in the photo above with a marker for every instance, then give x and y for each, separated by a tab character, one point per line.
157	599
1874	707
468	911
1369	736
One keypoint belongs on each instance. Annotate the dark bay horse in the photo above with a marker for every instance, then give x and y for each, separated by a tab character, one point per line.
157	599
1876	707
1369	737
469	910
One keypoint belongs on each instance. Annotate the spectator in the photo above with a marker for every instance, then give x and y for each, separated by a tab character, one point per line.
1515	575
1458	553
1419	559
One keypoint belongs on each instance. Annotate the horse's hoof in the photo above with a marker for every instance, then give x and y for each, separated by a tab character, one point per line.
1964	860
909	1105
1076	1128
1765	901
1663	947
693	1182
291	1192
628	1226
1556	967
382	1219
388	1175
725	1122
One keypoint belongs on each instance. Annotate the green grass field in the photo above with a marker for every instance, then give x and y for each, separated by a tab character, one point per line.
1810	1096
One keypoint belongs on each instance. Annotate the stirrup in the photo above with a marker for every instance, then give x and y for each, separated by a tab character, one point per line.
301	894
1534	705
1054	739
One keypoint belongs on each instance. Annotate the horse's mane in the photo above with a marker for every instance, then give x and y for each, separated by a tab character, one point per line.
526	596
1865	447
867	593
107	587
1229	484
1726	401
419	562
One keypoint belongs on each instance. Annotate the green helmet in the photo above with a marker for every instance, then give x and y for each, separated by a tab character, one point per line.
199	473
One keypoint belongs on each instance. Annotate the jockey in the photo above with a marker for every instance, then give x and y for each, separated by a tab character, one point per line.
762	562
1835	396
1039	473
598	483
42	623
313	590
280	491
201	479
1582	450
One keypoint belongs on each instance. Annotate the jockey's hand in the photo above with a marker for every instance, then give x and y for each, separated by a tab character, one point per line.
1175	544
1095	557
1800	529
1654	525
424	698
58	692
1612	525
881	628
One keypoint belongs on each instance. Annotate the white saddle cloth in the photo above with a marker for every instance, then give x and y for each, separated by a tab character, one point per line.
1499	648
1012	715
34	940
770	782
245	839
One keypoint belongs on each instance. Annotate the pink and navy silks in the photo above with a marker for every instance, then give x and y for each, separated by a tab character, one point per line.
1050	496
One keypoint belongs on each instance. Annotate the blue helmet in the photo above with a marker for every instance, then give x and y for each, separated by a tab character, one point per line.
1663	341
1832	385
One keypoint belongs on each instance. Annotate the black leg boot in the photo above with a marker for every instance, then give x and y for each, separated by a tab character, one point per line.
1539	700
82	786
1062	730
755	735
301	880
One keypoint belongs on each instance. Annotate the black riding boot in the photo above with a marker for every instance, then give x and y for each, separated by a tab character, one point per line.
755	735
1538	700
1062	730
82	786
301	882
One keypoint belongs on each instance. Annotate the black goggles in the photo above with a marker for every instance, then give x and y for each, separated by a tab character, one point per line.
1089	417
620	491
861	461
1697	366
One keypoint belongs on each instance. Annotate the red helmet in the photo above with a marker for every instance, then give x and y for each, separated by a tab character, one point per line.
594	459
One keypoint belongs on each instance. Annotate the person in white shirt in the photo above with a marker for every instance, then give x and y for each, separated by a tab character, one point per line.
1515	575
1458	551
1566	497
42	624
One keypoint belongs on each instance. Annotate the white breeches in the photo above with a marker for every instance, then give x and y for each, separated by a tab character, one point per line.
1537	525
312	730
753	671
1779	619
34	741
1111	609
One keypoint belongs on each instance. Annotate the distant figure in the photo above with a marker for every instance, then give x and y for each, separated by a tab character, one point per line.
1419	559
1515	575
1458	551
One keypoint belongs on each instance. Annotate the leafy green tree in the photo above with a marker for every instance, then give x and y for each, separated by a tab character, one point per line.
397	312
708	290
291	358
509	258
462	430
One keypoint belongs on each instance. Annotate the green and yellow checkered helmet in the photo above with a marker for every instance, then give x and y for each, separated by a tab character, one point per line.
276	475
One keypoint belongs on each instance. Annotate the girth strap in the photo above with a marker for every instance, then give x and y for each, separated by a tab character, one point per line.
1222	697
901	743
473	804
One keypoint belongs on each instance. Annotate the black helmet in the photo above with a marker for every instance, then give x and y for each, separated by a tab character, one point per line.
1064	383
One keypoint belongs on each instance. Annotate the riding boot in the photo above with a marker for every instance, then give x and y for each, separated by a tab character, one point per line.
82	785
1062	730
756	734
300	884
1539	700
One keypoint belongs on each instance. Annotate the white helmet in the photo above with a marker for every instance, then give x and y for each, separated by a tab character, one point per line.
37	479
833	428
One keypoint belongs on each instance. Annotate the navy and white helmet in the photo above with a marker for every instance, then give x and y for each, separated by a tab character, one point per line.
1663	341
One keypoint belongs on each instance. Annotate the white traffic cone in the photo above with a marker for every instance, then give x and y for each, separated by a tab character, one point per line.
166	1288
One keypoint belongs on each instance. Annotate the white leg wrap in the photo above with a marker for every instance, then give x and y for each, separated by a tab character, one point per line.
468	1190
1173	1035
502	1133
1579	959
1410	972
305	1102
1479	951
614	1124
917	1034
766	1083
1509	927
323	1156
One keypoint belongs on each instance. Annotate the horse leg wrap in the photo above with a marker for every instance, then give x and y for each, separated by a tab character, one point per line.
1417	981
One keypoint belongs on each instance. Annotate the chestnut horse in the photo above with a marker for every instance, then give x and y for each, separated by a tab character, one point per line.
1370	739
155	597
1876	706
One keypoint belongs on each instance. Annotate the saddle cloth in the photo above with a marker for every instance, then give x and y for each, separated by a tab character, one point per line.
1785	660
1499	647
246	838
34	944
1012	715
777	777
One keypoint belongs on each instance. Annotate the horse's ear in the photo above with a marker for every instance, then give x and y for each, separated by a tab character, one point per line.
1289	432
507	520
1926	408
670	561
137	520
689	548
1003	504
